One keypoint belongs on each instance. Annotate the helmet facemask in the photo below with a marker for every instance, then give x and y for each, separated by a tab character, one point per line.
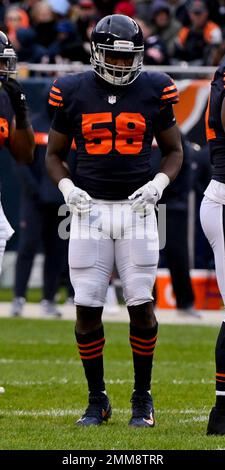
8	63
117	74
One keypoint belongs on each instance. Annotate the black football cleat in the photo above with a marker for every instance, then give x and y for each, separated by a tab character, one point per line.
98	410
216	424
142	410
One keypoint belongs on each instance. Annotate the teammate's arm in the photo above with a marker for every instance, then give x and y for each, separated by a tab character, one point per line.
21	137
223	114
21	143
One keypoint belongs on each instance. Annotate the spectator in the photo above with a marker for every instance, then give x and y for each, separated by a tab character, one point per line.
2	11
68	44
125	7
198	42
155	48
15	18
179	10
143	9
59	7
216	11
86	15
105	7
35	41
164	24
44	23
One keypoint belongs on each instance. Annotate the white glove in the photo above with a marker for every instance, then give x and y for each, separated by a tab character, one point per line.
148	195
77	199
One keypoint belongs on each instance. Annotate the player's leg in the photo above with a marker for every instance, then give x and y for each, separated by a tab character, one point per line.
29	241
91	264
213	223
137	260
53	262
2	251
6	232
177	242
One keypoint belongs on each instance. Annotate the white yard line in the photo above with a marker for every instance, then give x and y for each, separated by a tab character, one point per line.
5	360
60	412
66	381
56	381
195	419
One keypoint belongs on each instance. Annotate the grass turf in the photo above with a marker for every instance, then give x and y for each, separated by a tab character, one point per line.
45	388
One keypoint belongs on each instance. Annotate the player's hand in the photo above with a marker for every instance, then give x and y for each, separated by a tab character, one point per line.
145	198
79	201
18	101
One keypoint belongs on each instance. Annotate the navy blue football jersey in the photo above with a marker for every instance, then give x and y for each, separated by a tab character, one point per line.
113	128
6	116
214	130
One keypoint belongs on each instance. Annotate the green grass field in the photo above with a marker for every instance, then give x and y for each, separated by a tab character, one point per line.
46	391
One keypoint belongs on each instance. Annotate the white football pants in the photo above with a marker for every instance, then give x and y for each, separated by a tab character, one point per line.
113	233
6	232
212	216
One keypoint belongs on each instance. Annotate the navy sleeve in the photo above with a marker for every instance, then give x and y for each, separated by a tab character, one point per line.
60	122
165	120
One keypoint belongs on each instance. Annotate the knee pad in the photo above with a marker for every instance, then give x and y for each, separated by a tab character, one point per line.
138	289
89	288
141	274
87	292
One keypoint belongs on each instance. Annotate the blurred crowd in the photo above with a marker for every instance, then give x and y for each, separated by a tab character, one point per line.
50	31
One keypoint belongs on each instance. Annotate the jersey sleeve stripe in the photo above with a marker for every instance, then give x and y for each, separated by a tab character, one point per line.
172	95
169	88
53	103
56	97
170	92
57	90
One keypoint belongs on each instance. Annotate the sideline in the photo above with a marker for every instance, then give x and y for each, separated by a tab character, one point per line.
208	317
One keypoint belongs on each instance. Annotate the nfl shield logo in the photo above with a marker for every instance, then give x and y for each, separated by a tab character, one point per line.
112	99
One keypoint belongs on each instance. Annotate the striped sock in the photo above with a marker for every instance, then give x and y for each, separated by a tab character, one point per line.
220	368
143	343
90	347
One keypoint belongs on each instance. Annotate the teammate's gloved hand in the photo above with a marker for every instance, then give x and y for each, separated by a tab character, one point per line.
77	199
148	195
18	100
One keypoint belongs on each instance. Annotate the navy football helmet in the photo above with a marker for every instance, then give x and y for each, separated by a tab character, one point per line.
8	58
117	36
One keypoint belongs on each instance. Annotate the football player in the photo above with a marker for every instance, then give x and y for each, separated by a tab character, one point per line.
212	214
113	112
15	130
